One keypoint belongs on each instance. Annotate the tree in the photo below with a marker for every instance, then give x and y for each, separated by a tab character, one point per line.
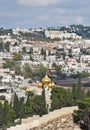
74	92
39	105
24	49
40	71
80	91
77	91
16	106
28	105
22	108
1	115
82	116
87	93
10	117
27	71
31	50
8	114
17	69
60	98
6	46
58	69
6	107
17	56
1	46
67	100
9	64
49	53
43	52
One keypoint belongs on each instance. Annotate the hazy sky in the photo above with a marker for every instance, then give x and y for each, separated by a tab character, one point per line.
43	13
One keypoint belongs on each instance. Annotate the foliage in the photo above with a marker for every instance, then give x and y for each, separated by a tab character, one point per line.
39	105
27	71
58	69
6	46
87	93
77	91
60	98
36	104
17	69
40	72
1	115
85	74
17	56
28	105
1	46
8	114
82	116
16	105
9	64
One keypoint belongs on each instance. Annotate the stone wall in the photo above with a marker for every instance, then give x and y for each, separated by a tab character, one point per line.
57	120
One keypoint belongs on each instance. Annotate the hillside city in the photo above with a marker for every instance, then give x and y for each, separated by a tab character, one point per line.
27	55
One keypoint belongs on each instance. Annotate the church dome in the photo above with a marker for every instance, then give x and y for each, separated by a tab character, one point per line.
46	80
51	85
27	90
40	85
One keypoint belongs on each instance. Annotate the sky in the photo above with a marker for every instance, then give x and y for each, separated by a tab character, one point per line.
43	13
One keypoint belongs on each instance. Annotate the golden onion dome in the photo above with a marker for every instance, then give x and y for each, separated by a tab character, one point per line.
51	85
27	90
40	85
46	80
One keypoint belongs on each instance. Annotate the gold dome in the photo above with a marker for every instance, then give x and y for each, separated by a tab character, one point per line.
51	85
27	90
40	85
46	80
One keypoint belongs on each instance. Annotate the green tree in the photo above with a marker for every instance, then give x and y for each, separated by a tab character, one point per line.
74	92
8	114
17	56
9	64
1	46
77	91
82	116
1	115
41	71
27	71
24	49
39	105
6	108
10	117
28	105
60	97
43	52
87	93
6	46
17	69
58	69
31	50
22	108
16	106
80	90
49	53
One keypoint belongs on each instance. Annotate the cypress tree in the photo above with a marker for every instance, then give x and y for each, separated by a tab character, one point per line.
16	106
